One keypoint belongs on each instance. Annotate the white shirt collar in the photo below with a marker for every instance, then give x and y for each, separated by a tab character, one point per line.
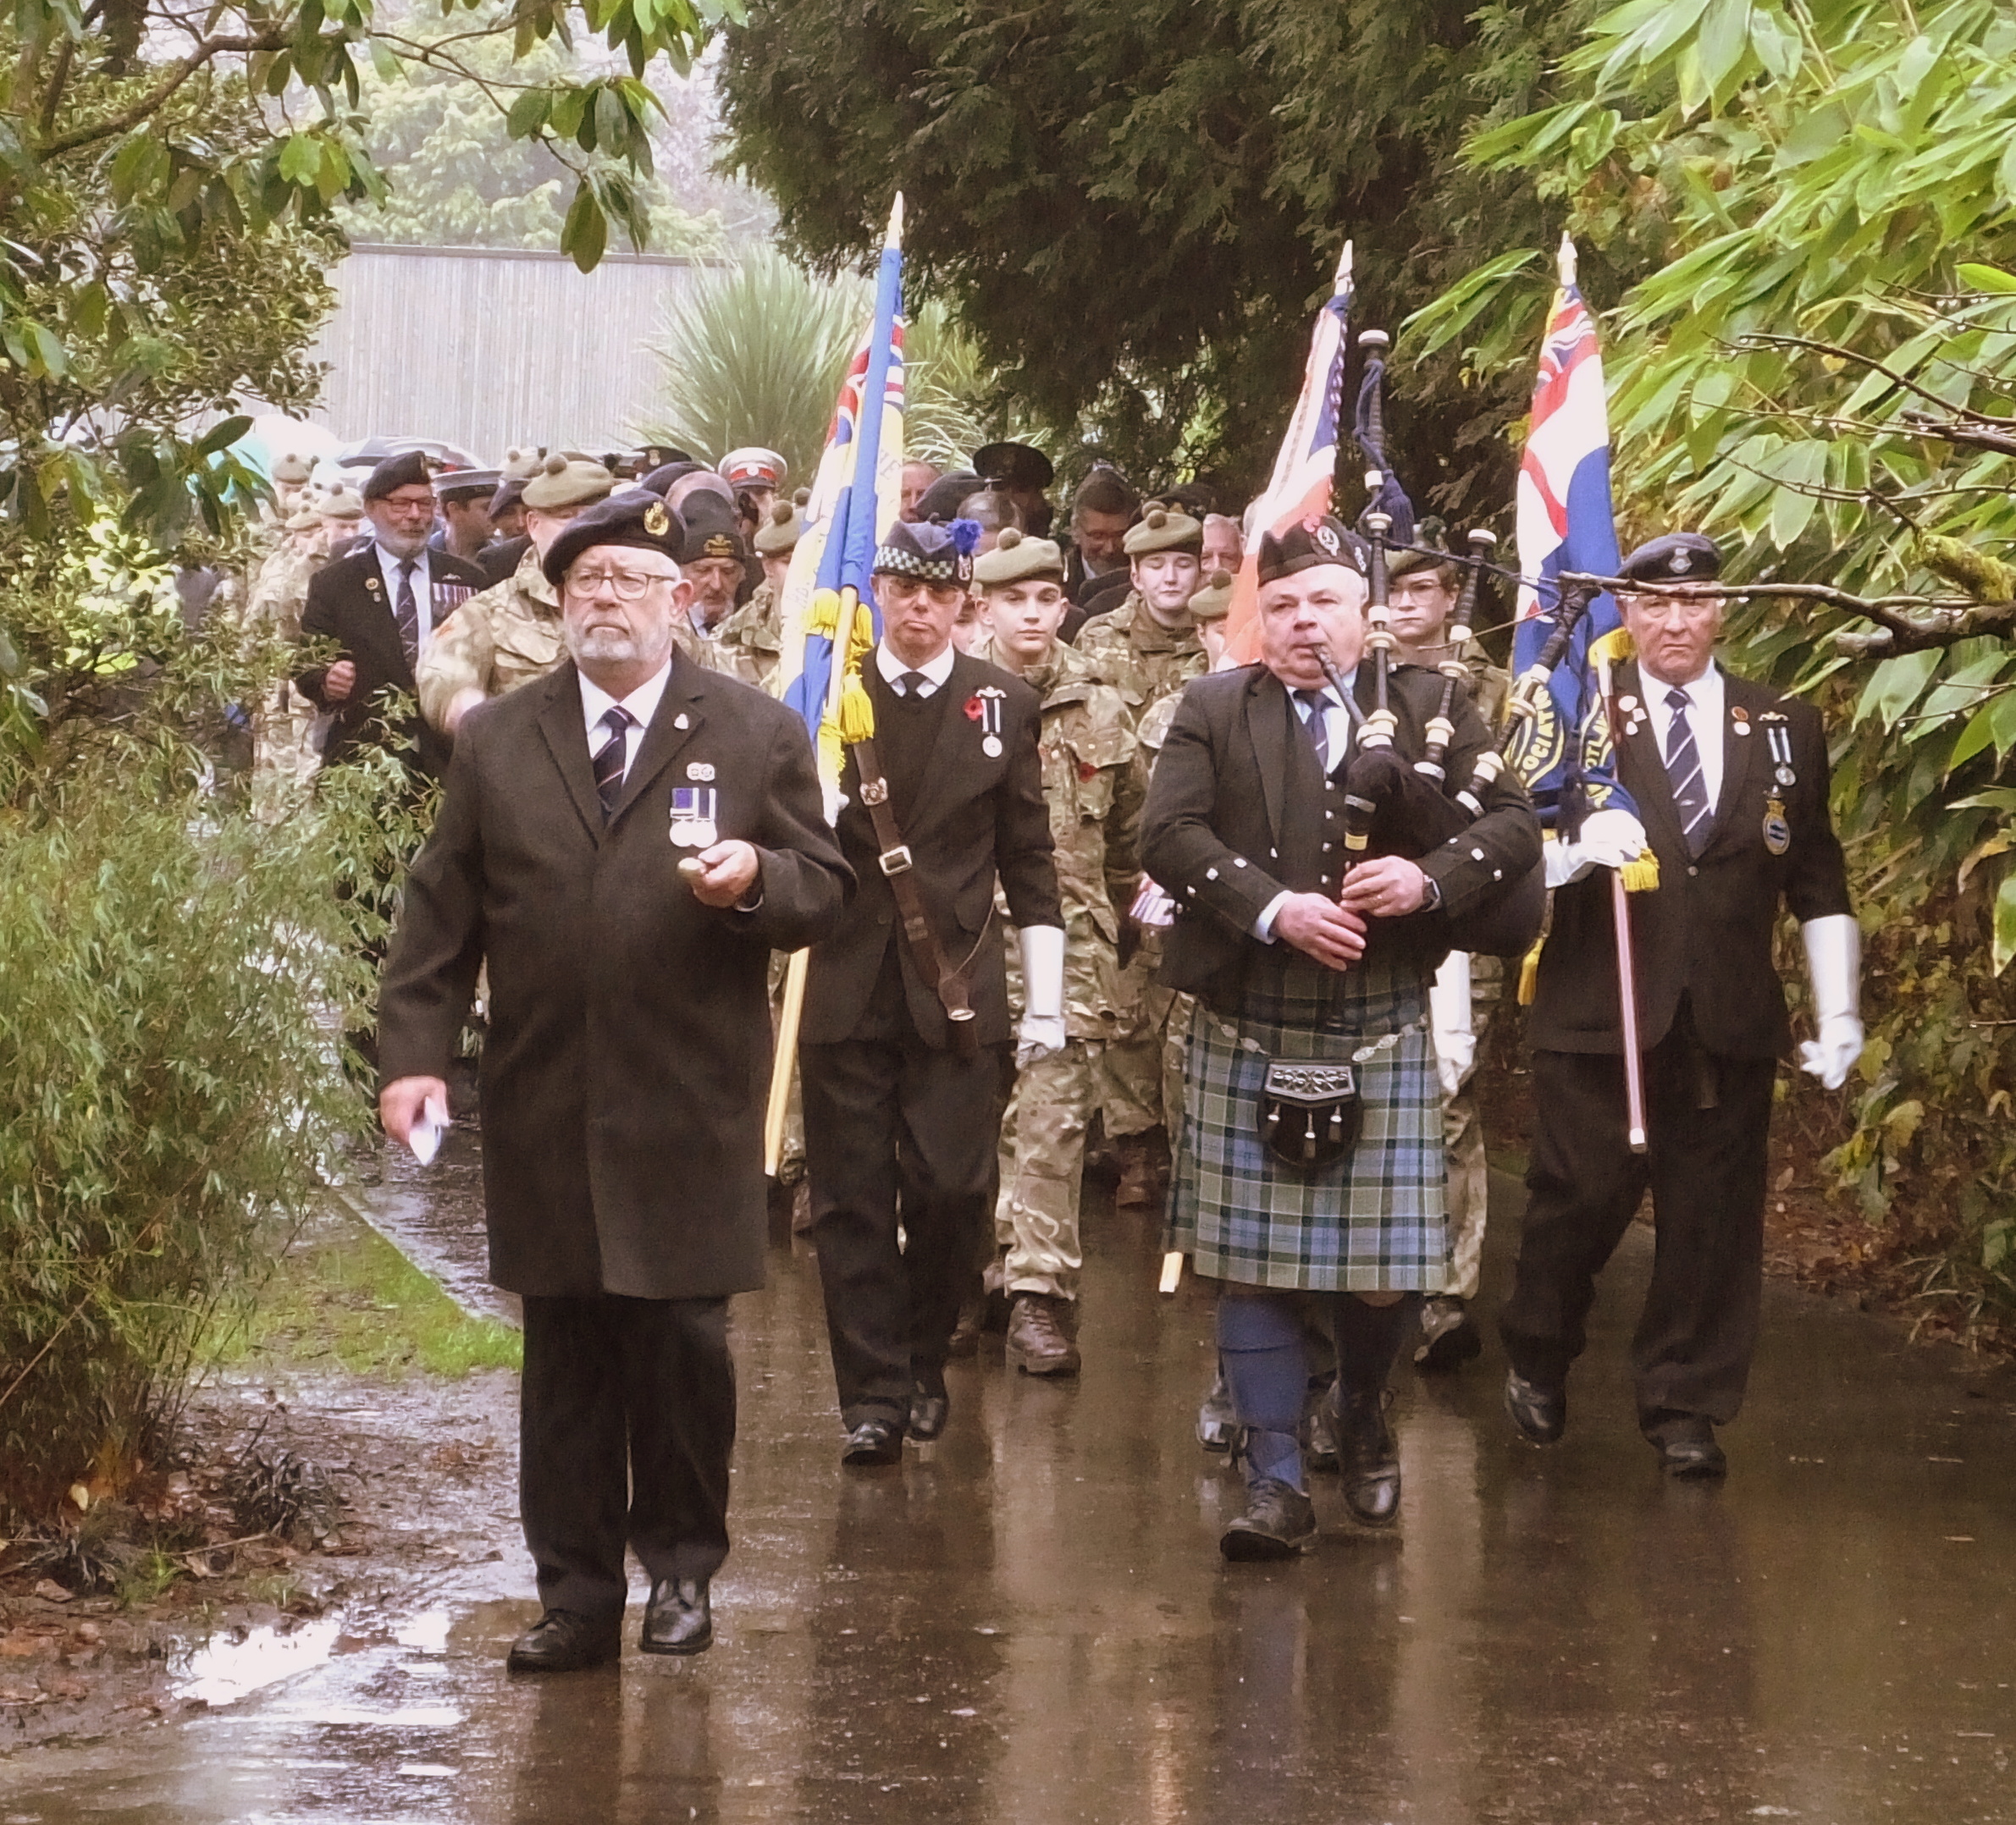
1704	692
388	569
892	668
642	702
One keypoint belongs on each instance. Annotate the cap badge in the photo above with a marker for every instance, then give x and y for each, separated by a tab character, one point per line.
1325	536
720	546
1680	564
657	522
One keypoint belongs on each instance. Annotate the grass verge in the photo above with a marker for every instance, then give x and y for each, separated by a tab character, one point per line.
343	1296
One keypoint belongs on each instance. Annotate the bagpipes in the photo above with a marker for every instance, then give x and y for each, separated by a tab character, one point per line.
1392	808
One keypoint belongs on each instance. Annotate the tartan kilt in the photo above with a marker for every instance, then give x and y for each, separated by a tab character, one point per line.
1374	1222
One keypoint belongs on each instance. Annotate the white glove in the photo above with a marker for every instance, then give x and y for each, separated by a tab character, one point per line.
1609	840
1449	1012
1834	963
1042	1030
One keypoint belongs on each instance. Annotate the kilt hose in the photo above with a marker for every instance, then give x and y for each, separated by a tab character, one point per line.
1375	1221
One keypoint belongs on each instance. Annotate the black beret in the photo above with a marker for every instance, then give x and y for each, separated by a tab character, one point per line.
632	518
1674	558
508	494
1018	465
407	469
942	500
711	528
1303	546
661	479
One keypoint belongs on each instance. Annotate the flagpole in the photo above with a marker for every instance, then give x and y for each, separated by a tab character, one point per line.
861	497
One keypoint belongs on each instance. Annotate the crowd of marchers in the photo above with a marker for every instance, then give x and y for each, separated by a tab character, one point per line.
1091	902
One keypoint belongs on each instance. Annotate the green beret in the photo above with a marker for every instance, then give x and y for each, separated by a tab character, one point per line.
406	470
292	470
1213	602
779	532
1016	558
560	483
343	505
1164	529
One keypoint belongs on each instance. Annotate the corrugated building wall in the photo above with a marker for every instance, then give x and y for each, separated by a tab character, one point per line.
488	348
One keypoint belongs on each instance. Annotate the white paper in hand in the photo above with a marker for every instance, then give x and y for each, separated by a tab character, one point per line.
424	1138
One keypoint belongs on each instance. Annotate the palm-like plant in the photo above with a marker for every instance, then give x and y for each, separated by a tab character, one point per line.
755	353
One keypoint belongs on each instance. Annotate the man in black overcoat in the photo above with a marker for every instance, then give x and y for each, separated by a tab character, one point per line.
624	842
1731	778
380	605
902	1100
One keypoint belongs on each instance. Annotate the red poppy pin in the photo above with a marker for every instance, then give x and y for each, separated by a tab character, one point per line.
975	709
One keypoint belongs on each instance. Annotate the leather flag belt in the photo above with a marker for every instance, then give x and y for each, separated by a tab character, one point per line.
932	960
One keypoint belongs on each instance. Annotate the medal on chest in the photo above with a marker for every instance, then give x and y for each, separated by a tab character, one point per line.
693	808
1777	832
983	708
1779	737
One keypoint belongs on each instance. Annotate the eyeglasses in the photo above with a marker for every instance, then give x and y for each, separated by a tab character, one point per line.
627	585
409	503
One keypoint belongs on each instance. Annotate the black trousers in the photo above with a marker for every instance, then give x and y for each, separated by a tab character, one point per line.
625	1421
1705	1167
897	1131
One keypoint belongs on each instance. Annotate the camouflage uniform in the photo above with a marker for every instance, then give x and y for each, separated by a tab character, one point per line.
1093	790
284	756
747	645
507	635
1150	664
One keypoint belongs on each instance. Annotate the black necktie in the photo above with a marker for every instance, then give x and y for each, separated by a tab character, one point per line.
406	612
1318	724
609	756
1683	769
912	683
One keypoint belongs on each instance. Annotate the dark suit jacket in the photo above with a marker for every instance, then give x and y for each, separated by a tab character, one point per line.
628	1055
1238	813
973	818
347	603
1707	930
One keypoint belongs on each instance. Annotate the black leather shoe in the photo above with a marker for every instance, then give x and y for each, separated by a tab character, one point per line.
678	1619
1687	1449
561	1641
1368	1459
874	1441
1279	1521
1540	1413
928	1412
1449	1336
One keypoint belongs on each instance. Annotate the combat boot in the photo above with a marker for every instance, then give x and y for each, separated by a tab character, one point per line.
1144	1171
1039	1337
1367	1456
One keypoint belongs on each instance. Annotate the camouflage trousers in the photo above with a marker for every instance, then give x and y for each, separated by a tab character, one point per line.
1145	1070
1469	1184
1042	1165
285	759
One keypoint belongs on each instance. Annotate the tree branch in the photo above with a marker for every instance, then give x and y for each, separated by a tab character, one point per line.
1868	361
158	97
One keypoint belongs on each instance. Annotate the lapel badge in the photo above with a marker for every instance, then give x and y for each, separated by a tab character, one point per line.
693	817
984	708
700	769
682	720
1627	704
372	584
1741	728
1777	832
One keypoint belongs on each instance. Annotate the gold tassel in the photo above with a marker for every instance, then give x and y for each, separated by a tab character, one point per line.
1642	876
857	711
1529	974
823	617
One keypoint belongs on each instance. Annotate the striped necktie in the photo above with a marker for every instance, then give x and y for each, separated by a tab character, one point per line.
405	610
1683	769
610	756
1318	725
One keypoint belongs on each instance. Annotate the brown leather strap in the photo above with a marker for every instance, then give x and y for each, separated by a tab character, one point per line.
930	956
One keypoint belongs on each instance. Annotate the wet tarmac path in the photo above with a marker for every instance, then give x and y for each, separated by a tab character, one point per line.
1032	1624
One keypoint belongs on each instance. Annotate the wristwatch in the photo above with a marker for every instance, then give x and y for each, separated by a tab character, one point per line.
1431	893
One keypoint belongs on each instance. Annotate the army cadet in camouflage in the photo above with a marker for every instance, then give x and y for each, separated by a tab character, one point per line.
1149	648
285	757
1093	790
1146	646
747	643
510	633
1422	587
